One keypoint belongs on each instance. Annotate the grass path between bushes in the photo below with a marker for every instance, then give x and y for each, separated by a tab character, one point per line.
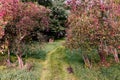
54	68
58	60
52	62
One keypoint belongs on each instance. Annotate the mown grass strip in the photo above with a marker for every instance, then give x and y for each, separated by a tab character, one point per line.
55	68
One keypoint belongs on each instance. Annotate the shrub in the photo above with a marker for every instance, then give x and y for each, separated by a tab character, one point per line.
24	18
94	24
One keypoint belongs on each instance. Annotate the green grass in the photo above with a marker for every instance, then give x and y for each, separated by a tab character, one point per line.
51	62
38	51
16	74
62	57
58	66
35	54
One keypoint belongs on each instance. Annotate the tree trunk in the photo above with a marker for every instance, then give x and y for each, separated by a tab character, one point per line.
8	60
20	61
116	56
86	61
102	53
19	52
102	56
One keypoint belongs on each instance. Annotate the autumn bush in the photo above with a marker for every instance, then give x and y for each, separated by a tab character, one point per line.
22	19
94	25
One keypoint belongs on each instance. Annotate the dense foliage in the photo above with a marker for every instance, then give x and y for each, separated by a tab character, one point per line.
94	25
58	19
23	19
45	2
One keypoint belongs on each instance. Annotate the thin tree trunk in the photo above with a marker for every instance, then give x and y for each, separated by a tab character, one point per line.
19	53
8	60
115	54
20	61
102	56
102	53
86	61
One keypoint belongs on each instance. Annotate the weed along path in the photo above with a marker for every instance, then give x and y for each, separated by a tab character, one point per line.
54	67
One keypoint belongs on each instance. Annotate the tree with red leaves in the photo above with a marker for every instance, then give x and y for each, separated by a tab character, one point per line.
95	24
22	19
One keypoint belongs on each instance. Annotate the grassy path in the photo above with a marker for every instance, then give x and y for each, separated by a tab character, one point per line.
45	72
54	68
58	60
52	63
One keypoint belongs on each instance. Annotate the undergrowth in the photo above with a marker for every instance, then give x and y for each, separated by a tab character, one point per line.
58	63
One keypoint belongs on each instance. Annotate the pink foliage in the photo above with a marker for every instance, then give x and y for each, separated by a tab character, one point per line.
93	23
1	32
2	14
6	11
19	20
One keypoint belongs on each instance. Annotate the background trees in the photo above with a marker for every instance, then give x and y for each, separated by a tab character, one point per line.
58	19
45	2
